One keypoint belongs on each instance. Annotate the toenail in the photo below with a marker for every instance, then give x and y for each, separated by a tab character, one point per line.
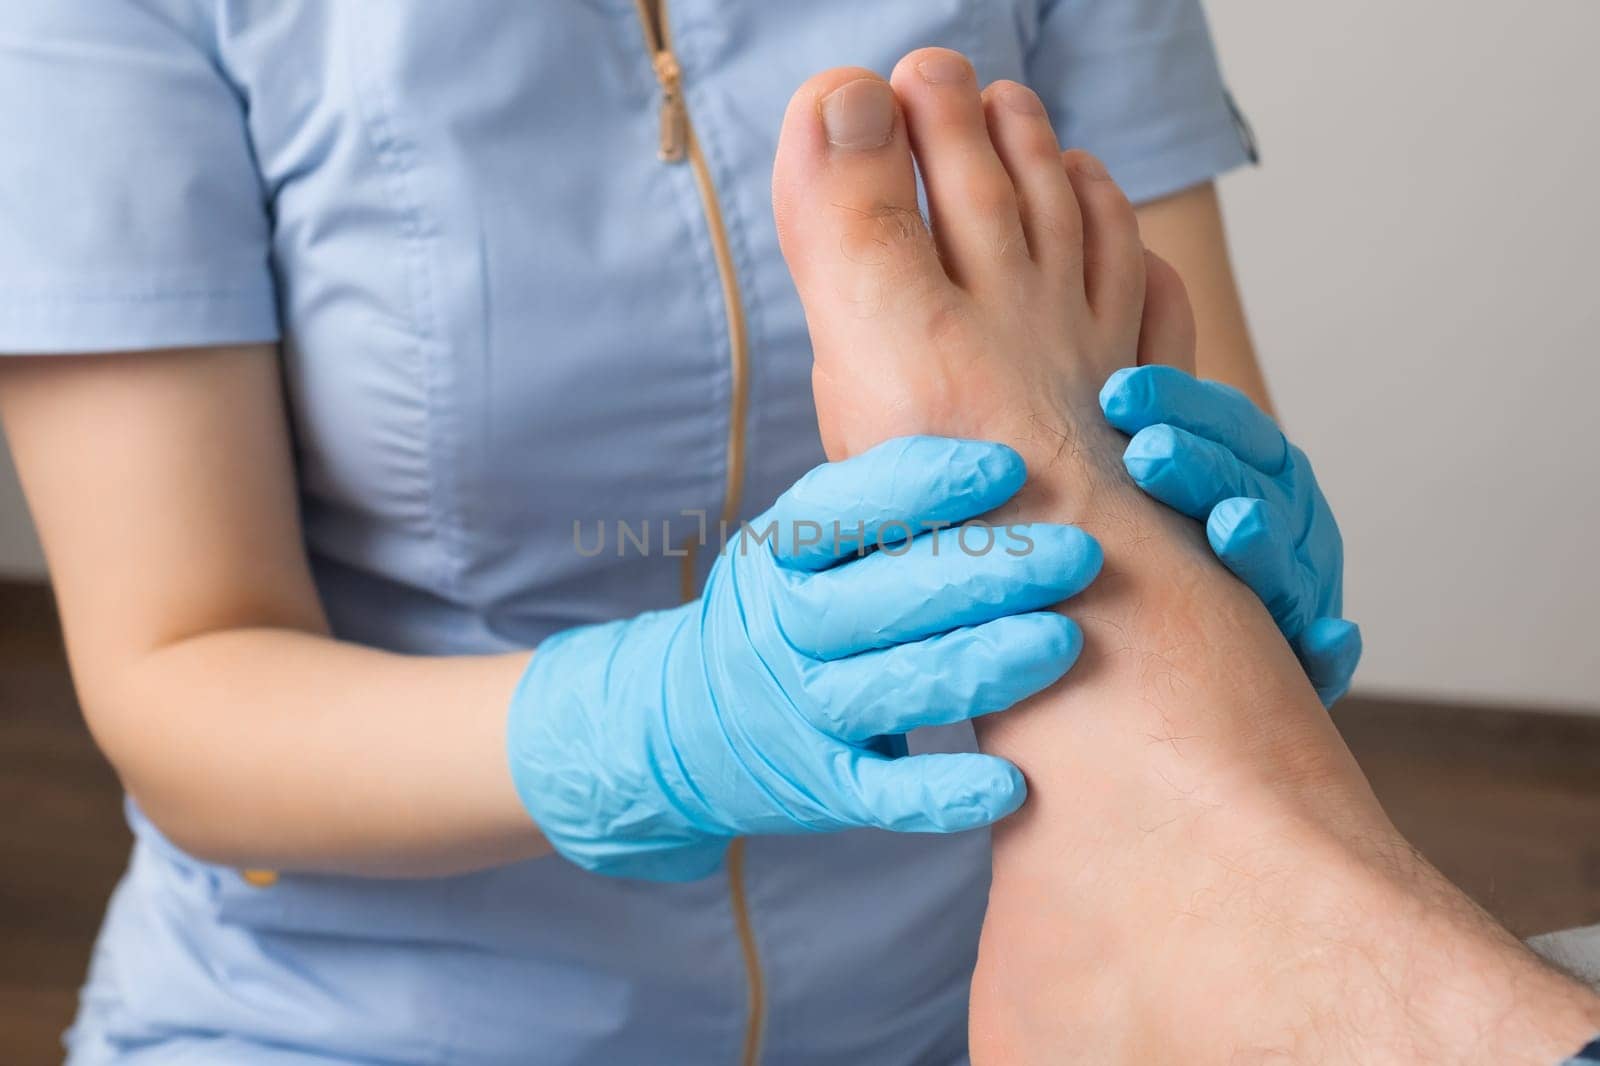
1090	167
859	114
1022	100
944	68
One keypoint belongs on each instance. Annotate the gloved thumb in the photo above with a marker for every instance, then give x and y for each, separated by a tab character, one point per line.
939	793
1330	649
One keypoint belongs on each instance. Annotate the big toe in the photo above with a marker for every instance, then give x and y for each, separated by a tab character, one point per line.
844	196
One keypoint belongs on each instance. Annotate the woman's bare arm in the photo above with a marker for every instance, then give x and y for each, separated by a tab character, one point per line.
1186	230
163	490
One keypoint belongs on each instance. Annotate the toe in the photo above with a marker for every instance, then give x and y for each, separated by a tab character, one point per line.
1167	329
970	196
1112	251
1026	143
844	193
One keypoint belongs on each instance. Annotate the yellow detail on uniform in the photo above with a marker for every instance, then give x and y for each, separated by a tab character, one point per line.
678	143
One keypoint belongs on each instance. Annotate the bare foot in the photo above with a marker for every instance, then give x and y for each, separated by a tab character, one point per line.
1200	873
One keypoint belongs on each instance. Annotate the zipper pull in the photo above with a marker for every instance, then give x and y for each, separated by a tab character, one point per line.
674	114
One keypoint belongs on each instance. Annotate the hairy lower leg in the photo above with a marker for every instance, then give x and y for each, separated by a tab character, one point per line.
1201	873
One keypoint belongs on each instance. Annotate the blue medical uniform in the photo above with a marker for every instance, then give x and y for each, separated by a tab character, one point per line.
503	317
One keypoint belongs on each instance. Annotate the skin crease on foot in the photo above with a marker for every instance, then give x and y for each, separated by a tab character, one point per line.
1200	873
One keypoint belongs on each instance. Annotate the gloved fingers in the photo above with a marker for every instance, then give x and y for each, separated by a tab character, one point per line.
946	678
1255	541
938	582
1189	473
1136	398
888	494
941	793
1330	650
1323	550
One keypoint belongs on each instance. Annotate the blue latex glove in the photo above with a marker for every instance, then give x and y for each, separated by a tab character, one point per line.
642	747
1208	451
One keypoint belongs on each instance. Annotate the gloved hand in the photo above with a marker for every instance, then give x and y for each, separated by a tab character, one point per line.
1206	450
642	747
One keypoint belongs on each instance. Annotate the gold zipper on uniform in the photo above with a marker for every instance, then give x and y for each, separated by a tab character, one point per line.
674	115
677	144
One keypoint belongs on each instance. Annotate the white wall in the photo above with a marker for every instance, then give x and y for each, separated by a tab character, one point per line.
1419	254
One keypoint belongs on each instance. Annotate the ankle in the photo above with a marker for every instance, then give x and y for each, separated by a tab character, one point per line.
1257	933
1389	962
1151	943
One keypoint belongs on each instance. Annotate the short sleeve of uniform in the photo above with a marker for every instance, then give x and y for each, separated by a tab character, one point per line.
1136	82
131	212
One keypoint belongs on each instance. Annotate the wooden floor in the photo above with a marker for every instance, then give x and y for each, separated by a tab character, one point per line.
1507	804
